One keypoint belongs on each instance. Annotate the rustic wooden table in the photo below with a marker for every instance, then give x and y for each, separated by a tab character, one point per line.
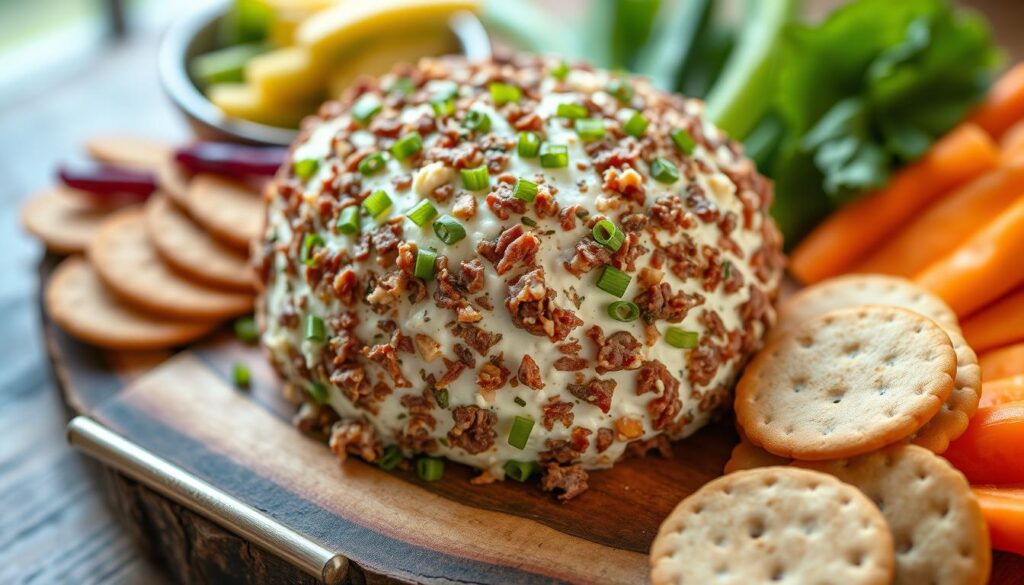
53	526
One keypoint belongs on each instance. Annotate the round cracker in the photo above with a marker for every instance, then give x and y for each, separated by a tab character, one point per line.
846	383
228	209
128	263
951	420
65	220
173	180
774	524
937	526
189	249
746	455
131	151
78	301
862	289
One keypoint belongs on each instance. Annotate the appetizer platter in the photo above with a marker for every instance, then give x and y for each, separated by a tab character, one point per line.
528	318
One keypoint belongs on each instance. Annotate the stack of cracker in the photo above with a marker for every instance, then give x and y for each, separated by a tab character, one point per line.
862	382
148	275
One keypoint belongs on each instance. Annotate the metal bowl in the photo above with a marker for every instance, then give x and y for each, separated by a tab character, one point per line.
196	34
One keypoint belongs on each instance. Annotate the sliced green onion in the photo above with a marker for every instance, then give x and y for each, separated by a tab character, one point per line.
502	93
365	109
441	397
664	171
390	458
372	163
448	229
590	129
525	190
305	168
528	221
624	311
308	243
608	235
241	375
554	156
529	144
377	203
422	212
445	91
683	140
621	89
519	434
314	328
246	329
477	121
430	468
348	222
571	111
560	71
519	401
402	85
318	392
677	337
520	470
443	107
407	146
425	260
636	125
613	281
475	179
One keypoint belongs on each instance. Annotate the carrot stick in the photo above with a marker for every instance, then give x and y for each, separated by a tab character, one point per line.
1004	105
1003	508
938	230
998	324
1012	143
991	450
850	233
1003	362
1002	391
982	269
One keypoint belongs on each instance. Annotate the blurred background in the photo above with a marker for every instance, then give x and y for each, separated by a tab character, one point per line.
70	69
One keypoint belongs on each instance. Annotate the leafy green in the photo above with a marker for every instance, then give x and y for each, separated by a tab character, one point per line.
866	91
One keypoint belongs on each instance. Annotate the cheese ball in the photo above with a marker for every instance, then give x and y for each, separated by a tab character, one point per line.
514	261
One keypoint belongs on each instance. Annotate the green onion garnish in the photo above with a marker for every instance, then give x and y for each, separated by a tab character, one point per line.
315	329
377	203
308	243
475	179
348	221
608	235
683	140
664	171
613	281
443	107
246	329
430	468
528	221
554	156
448	90
390	458
525	190
365	109
529	144
441	397
305	168
519	401
677	337
448	229
422	212
571	111
318	392
425	260
241	375
590	129
520	432
636	125
402	85
520	470
407	146
503	93
624	311
560	71
621	89
372	163
477	121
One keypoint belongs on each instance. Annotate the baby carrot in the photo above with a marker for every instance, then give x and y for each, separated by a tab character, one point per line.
1002	391
1004	105
991	450
1002	363
1003	509
998	324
